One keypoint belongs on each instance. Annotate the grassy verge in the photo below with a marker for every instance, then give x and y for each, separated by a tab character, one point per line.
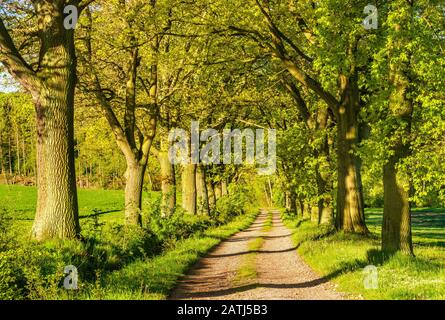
155	278
268	223
341	258
113	261
247	271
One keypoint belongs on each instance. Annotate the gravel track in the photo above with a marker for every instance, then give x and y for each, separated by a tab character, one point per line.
281	273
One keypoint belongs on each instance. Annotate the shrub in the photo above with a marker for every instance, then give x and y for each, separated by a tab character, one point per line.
10	276
178	226
238	202
7	236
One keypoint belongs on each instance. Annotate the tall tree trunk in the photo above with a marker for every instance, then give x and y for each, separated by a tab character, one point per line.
57	207
224	189
52	89
24	159
211	193
315	214
396	228
136	156
168	184
325	210
301	208
17	149
306	210
17	146
202	196
323	172
293	202
270	191
134	141
133	193
9	154
218	191
287	200
2	165
350	211
189	188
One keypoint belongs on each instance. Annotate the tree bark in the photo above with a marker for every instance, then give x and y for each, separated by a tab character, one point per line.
17	148
168	184
9	154
396	228
57	207
350	211
318	123
133	193
291	201
287	200
306	211
2	166
211	193
189	188
202	196
325	210
52	89
24	158
218	191
315	214
224	189
301	208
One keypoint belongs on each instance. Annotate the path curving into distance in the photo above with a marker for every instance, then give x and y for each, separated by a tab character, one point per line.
279	272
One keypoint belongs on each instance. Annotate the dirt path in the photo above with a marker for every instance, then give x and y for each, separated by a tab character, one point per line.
280	272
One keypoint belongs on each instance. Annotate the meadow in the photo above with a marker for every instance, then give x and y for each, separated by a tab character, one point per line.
114	261
341	257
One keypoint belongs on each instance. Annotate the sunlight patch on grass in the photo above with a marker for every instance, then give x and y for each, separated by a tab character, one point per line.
247	273
268	223
154	278
341	258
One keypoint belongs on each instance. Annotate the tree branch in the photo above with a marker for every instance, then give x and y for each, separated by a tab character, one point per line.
14	62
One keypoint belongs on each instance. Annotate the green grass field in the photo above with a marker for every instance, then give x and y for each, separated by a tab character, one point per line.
114	262
341	258
107	205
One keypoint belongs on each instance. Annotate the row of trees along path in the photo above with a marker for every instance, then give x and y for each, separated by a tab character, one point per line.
325	82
